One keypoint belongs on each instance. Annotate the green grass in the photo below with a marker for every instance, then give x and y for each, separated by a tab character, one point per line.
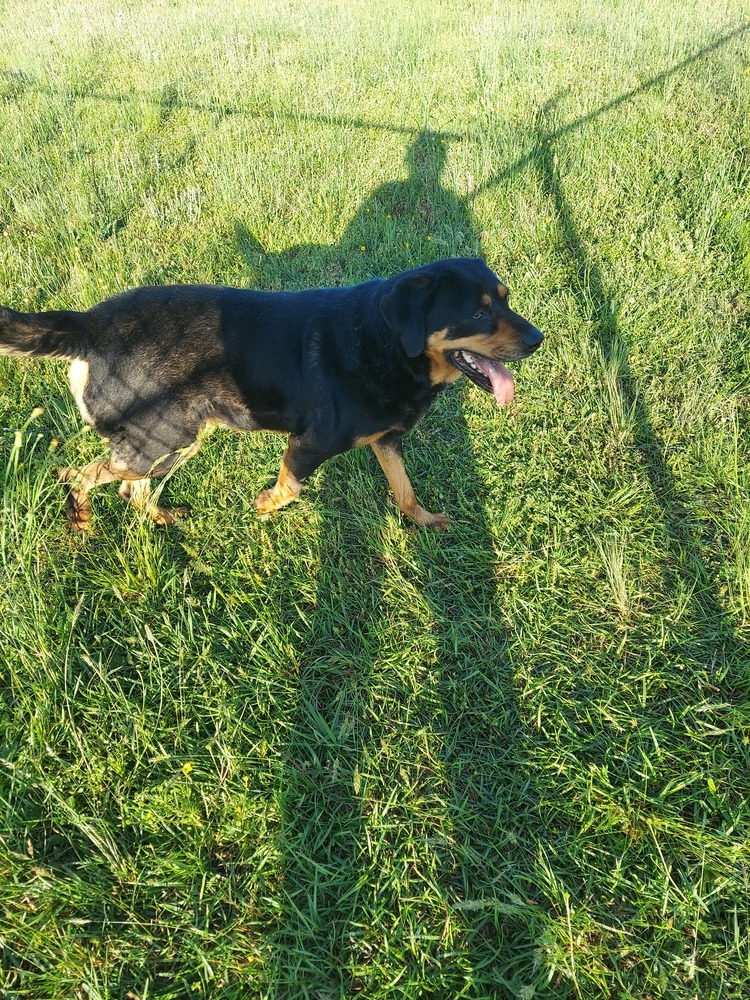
330	755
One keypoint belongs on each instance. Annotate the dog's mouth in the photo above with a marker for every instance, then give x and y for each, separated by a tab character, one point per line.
490	375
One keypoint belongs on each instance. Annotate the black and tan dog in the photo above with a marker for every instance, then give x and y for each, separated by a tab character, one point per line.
335	368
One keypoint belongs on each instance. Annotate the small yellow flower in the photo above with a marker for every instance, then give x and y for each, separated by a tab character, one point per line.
407	245
187	767
363	248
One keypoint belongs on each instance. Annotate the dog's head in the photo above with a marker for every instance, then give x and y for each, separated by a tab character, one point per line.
456	313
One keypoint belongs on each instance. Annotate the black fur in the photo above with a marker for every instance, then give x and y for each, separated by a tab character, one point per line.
329	367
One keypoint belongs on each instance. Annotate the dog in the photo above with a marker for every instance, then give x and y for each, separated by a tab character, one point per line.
334	368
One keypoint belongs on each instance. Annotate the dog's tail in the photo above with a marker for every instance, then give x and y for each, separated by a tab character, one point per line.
60	334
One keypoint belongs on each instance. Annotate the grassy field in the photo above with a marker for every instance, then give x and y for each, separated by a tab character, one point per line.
330	755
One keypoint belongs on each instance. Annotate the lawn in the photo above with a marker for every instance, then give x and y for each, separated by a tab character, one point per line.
329	754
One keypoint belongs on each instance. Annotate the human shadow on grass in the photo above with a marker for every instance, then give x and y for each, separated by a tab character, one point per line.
401	781
402	224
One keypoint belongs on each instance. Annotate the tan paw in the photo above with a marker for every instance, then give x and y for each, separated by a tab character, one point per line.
436	522
168	515
78	510
266	503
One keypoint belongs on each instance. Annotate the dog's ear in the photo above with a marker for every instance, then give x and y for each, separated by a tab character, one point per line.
404	309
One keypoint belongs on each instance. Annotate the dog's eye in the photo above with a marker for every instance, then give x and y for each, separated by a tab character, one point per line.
478	315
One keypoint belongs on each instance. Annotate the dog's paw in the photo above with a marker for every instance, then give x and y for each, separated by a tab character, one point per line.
265	503
78	510
164	516
439	522
435	522
275	498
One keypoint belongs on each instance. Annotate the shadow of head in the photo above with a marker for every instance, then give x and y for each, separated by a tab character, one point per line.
427	155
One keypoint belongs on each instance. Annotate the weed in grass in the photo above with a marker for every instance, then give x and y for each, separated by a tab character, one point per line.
612	551
741	581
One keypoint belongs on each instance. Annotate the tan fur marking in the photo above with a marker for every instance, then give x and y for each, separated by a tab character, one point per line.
192	449
369	439
208	426
138	493
501	343
440	369
79	379
393	466
78	483
96	474
502	291
285	490
486	300
372	438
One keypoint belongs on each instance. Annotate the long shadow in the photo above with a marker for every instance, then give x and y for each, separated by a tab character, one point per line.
530	159
703	639
685	565
14	83
492	814
362	721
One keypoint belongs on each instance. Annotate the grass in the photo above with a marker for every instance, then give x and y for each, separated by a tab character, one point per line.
330	755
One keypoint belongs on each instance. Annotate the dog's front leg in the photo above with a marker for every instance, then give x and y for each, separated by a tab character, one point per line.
390	455
297	464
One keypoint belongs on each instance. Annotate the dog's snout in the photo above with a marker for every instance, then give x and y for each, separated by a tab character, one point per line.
532	338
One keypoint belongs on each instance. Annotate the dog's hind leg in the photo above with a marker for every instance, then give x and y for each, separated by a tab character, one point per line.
77	484
135	489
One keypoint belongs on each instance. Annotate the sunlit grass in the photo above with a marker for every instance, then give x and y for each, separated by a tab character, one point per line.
330	755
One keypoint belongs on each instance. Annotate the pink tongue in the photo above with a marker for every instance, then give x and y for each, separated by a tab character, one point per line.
502	383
